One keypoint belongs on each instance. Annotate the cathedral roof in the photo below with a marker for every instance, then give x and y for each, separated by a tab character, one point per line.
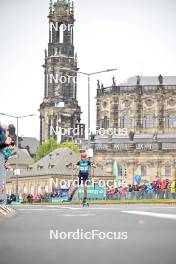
149	80
138	138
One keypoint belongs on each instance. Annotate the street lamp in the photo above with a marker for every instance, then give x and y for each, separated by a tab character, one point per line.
17	145
88	75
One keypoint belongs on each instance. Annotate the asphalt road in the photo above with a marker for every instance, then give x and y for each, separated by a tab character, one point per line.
150	232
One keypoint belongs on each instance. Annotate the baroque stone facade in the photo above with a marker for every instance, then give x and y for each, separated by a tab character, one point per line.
146	108
143	108
60	108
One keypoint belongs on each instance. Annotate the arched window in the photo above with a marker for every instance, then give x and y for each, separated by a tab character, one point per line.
61	28
149	121
105	122
171	121
126	122
149	102
126	103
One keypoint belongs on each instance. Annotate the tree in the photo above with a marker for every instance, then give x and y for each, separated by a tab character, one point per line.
70	145
50	145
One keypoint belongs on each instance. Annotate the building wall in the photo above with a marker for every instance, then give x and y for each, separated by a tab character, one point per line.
149	165
147	109
40	185
146	112
33	185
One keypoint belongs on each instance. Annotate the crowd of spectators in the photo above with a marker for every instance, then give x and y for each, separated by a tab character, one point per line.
35	198
158	189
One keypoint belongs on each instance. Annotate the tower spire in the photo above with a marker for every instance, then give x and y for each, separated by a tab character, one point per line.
61	1
72	9
51	7
60	106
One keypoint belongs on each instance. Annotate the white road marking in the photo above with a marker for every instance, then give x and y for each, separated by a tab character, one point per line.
157	207
82	215
68	208
66	215
95	208
71	208
90	208
39	209
3	212
52	206
158	215
86	214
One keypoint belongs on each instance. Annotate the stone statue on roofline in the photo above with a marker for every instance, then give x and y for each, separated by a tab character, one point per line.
76	56
155	136
131	135
138	80
98	84
113	81
160	79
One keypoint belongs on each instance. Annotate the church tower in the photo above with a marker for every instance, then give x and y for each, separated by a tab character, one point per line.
60	108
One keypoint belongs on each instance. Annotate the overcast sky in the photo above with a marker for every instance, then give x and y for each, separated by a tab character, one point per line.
132	35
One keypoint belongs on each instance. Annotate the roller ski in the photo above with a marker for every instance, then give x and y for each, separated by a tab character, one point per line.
69	200
85	204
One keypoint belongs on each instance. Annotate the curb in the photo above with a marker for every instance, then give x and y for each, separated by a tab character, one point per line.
108	202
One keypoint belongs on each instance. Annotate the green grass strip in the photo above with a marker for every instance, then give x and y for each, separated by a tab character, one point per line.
108	202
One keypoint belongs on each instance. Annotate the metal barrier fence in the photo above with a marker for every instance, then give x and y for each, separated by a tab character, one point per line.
143	195
134	195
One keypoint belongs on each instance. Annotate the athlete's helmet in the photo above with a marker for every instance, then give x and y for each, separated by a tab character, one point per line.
84	155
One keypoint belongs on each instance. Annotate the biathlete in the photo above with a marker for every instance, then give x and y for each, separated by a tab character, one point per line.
83	177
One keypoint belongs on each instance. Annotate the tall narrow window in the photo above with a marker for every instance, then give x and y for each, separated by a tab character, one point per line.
143	171
126	122
167	171
171	122
123	170
61	33
149	121
106	122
